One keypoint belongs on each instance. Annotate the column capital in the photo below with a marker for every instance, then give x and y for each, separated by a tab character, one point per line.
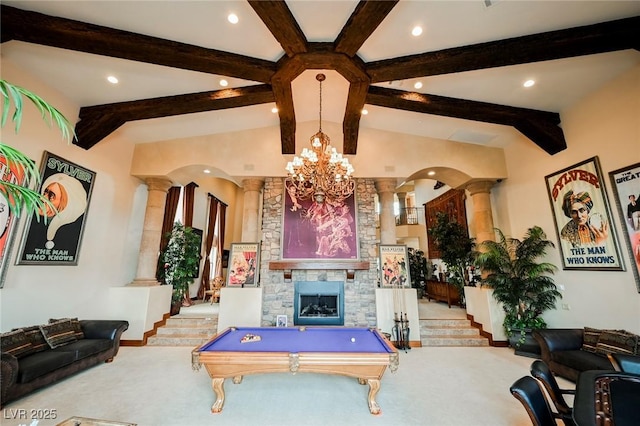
252	184
480	186
386	185
158	184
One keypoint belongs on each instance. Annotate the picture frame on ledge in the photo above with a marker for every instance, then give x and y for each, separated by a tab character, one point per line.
281	321
626	184
244	265
582	217
394	266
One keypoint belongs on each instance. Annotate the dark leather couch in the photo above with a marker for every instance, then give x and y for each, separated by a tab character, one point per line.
569	351
97	341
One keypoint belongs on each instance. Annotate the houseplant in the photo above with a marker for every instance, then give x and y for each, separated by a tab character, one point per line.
26	196
521	283
181	258
456	250
418	270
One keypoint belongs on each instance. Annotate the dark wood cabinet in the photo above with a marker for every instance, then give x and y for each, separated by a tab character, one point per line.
443	292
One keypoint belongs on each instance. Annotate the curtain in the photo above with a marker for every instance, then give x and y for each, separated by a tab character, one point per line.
189	196
211	228
221	225
170	208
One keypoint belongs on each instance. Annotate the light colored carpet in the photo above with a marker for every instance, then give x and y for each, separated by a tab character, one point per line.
155	386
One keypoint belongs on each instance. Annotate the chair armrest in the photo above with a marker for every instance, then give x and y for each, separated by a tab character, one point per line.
8	373
558	339
103	329
625	363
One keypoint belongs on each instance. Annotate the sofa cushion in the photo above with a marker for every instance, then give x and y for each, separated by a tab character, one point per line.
58	333
75	324
15	343
85	347
38	342
614	341
590	339
582	360
36	365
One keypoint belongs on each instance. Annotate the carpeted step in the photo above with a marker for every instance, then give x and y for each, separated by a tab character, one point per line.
185	331
450	332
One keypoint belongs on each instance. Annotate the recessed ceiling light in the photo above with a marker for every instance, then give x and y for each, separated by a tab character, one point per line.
431	173
365	112
233	18
418	85
224	83
274	110
207	171
416	31
529	83
112	79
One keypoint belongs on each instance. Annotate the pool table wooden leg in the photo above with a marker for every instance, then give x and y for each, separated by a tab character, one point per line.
374	387
218	389
237	380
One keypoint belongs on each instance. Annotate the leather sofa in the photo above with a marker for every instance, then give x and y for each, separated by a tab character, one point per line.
569	351
38	356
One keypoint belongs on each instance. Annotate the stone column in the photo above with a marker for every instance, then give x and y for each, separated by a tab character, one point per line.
250	216
151	232
482	217
386	189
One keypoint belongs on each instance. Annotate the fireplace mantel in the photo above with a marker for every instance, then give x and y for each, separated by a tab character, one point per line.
289	265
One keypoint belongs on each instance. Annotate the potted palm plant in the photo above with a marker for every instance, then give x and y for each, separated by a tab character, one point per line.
521	283
418	270
456	250
181	258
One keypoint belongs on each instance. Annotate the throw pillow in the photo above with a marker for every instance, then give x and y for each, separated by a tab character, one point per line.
621	342
15	343
58	333
77	328
590	339
34	335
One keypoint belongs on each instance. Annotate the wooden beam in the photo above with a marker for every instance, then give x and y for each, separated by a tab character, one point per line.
97	122
33	27
364	20
540	126
353	112
591	39
281	23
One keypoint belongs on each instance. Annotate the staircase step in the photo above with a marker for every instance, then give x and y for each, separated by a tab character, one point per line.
200	331
190	321
178	340
449	331
459	340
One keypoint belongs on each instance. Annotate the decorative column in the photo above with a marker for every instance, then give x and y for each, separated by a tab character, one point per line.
250	217
386	189
151	232
482	217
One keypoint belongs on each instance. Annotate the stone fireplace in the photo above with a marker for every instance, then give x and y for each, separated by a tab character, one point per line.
318	303
358	289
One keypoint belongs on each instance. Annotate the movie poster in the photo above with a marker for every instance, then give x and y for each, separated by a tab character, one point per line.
68	187
582	217
8	221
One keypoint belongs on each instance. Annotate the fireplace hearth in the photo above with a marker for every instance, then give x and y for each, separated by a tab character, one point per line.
318	303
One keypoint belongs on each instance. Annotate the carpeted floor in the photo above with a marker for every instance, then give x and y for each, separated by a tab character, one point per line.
155	386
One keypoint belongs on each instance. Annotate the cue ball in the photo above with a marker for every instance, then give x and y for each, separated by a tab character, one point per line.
353	339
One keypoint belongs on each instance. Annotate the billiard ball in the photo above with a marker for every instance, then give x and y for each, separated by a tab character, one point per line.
353	339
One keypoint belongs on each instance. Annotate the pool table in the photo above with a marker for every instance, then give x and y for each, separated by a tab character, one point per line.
363	353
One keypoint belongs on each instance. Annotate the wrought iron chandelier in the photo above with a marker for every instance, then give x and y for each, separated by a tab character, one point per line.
320	172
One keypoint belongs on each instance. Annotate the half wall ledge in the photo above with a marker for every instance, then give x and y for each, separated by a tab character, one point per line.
350	266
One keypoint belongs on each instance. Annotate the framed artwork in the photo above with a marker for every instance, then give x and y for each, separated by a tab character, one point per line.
57	242
626	187
394	269
319	228
281	321
8	220
244	261
582	218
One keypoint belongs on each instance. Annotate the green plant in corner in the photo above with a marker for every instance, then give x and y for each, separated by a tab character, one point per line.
181	258
418	270
24	196
520	282
456	249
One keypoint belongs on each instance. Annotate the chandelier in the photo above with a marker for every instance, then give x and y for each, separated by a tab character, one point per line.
320	172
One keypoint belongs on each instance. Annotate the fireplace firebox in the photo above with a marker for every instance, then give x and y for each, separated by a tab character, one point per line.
318	303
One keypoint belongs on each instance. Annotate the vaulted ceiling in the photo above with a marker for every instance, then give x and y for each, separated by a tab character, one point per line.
508	38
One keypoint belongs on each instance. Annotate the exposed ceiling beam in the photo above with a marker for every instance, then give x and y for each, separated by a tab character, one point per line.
539	126
33	27
97	122
598	38
282	25
364	20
